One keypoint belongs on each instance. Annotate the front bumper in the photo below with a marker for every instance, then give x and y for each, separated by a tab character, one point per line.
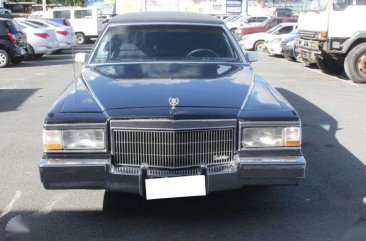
101	174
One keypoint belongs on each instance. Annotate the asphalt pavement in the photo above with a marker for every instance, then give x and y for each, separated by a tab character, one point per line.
332	110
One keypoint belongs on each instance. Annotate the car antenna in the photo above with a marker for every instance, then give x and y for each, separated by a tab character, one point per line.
74	71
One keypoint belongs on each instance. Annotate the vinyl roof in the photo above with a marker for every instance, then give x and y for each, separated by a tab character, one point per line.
165	17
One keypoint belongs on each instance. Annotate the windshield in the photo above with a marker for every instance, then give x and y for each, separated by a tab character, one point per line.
274	28
164	43
315	5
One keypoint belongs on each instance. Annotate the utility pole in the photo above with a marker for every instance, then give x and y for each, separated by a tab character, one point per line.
44	8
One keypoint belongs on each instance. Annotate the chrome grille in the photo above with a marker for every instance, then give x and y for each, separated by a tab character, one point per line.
172	149
307	35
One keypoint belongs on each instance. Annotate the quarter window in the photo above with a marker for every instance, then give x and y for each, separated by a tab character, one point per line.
83	14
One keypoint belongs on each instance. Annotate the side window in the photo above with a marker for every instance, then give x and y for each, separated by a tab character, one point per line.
261	19
62	14
287	29
83	14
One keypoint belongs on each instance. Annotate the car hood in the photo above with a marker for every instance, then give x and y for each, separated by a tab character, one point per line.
150	85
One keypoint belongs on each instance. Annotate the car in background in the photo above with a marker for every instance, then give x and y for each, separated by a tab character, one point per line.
41	40
265	26
5	11
282	12
290	51
245	21
13	43
87	22
276	44
255	41
64	34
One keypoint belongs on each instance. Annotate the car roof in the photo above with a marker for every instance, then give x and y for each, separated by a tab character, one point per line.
165	17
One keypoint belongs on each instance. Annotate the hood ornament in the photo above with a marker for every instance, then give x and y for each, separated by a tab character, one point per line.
173	101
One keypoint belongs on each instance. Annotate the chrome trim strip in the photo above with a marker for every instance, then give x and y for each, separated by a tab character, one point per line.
292	160
73	162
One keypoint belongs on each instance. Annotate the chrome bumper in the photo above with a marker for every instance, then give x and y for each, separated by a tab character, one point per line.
101	174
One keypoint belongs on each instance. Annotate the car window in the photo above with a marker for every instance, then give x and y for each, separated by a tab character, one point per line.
83	14
62	14
273	23
39	24
286	29
165	43
261	19
54	24
31	24
11	27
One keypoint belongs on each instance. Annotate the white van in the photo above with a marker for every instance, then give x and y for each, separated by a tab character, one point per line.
87	22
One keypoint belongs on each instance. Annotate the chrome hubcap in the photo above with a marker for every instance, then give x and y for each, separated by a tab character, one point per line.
260	47
2	59
362	64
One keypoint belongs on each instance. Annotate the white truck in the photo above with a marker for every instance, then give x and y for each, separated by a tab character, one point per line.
87	22
333	35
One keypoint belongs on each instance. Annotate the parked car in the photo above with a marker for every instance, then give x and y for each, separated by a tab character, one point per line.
255	41
265	26
5	11
64	34
282	12
149	118
290	51
276	44
245	21
13	43
40	40
87	22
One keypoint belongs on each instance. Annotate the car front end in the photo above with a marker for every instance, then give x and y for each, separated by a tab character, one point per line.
201	122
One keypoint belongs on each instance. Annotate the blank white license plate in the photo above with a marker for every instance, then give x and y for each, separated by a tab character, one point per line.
174	187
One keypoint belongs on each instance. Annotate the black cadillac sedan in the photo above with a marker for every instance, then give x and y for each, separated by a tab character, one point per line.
167	105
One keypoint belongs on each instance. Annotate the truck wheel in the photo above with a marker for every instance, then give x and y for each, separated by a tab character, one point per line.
80	38
328	65
355	64
259	46
4	58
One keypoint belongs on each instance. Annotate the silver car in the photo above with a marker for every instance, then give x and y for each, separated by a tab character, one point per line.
65	34
40	40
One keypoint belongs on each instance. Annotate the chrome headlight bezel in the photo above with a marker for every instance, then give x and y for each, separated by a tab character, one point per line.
62	129
285	126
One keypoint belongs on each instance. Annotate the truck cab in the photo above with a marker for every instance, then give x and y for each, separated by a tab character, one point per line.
333	36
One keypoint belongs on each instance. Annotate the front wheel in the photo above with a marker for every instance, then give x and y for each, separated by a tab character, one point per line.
355	64
259	46
80	38
4	58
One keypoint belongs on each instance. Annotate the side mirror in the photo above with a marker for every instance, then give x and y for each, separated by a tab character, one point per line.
251	56
80	57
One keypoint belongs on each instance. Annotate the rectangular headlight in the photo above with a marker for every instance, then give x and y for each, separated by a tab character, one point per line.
77	139
270	137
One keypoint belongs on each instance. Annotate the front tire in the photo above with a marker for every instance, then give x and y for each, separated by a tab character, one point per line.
80	38
355	64
4	58
259	46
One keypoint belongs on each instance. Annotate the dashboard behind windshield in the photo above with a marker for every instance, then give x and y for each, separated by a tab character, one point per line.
164	43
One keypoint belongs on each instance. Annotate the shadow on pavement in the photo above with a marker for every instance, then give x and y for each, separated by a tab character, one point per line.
11	99
315	210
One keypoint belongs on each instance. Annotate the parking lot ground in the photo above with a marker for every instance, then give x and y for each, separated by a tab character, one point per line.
332	110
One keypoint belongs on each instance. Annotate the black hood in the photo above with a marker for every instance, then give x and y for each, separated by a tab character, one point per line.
152	84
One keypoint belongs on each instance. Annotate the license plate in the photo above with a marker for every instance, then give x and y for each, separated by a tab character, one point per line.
174	187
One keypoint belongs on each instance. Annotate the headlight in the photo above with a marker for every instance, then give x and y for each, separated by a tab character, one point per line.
270	137
77	139
276	40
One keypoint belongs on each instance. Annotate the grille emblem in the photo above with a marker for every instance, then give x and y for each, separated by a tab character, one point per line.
173	101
